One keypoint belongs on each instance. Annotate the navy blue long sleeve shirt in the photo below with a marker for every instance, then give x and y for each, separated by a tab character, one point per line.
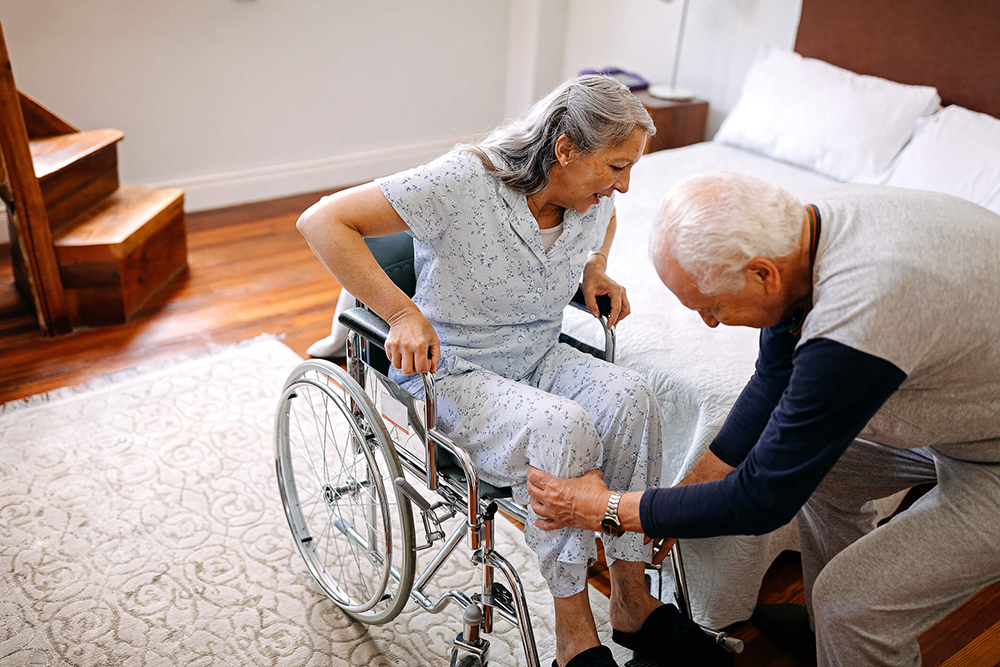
792	421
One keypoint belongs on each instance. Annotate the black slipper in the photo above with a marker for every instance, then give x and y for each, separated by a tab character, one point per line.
670	637
598	656
786	625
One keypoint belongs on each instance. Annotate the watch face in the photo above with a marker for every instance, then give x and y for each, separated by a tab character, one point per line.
611	527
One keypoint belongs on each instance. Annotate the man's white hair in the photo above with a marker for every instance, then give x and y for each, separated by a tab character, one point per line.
713	224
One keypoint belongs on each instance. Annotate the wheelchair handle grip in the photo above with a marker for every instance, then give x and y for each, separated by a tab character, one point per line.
371	327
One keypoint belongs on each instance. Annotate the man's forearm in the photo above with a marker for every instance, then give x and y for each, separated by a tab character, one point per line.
708	469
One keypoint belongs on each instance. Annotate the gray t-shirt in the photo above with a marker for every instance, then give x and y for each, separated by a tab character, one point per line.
913	277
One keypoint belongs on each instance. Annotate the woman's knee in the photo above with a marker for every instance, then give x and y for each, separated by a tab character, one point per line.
634	388
630	410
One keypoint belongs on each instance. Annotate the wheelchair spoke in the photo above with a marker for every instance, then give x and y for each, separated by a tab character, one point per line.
352	548
321	431
305	445
312	509
329	431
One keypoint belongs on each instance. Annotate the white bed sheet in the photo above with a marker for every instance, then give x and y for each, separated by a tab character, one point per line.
696	372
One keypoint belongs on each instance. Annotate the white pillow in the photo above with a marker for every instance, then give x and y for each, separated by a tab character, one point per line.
822	117
955	151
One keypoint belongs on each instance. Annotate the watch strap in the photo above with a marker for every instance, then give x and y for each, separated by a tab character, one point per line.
612	511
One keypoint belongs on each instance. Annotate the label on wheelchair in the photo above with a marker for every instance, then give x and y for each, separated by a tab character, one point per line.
393	410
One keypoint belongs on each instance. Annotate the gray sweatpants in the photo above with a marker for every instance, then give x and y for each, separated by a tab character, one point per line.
872	591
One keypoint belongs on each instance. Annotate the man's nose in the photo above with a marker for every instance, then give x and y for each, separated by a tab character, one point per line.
709	320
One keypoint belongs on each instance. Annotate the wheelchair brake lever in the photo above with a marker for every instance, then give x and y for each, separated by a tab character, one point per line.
413	494
426	513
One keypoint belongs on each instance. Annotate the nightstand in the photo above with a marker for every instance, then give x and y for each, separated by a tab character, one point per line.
678	122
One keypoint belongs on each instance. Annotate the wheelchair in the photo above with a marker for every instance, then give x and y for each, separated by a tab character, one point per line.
344	443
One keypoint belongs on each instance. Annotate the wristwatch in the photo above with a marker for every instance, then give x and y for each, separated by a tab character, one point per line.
610	524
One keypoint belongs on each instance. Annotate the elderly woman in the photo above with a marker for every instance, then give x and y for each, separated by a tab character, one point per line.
502	231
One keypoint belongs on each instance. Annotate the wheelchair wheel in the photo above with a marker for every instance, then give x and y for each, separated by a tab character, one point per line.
336	467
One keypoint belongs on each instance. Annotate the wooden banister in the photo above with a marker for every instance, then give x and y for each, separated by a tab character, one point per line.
31	239
40	122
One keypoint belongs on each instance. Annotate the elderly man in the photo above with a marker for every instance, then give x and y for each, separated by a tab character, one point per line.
879	369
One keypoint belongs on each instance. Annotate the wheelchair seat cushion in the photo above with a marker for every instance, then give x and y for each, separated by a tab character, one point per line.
486	490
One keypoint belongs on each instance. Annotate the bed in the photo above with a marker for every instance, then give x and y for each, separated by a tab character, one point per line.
698	372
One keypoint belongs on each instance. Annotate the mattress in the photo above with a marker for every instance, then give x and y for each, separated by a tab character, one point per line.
696	372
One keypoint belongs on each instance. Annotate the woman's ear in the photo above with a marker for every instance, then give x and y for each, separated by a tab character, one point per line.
565	150
764	272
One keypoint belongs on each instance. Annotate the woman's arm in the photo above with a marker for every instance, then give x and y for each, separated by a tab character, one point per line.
596	281
335	228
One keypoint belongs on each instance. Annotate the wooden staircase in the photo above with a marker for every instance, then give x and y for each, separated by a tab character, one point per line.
85	249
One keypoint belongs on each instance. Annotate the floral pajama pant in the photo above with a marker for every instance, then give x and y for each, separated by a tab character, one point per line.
573	413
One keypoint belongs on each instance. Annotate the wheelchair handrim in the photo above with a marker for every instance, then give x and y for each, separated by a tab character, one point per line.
293	507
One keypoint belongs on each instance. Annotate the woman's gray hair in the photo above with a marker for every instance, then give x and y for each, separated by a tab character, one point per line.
713	224
593	111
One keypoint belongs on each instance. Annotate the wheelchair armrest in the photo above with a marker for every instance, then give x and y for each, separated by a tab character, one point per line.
580	303
363	321
374	329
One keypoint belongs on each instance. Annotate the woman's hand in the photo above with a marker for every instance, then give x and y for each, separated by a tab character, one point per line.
661	548
412	345
597	283
559	502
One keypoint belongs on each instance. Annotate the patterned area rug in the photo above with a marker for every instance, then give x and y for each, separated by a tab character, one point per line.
140	525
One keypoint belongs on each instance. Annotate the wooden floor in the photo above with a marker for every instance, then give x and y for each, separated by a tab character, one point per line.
251	273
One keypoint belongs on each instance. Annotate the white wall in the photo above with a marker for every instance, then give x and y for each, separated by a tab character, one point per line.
634	35
535	42
242	100
237	100
720	40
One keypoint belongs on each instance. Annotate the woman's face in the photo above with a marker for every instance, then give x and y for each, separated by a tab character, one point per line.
580	181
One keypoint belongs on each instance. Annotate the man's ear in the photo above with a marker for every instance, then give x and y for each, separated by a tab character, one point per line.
565	150
764	272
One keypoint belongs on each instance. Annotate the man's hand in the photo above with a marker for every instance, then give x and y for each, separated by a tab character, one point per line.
596	283
559	502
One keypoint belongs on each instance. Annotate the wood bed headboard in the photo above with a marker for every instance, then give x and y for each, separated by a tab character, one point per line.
953	45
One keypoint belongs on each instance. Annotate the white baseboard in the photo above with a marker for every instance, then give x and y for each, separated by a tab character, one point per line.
249	185
282	180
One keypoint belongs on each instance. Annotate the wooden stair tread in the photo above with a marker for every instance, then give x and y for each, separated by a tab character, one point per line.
52	154
119	222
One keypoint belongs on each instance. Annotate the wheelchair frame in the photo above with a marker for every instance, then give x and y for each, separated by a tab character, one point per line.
460	493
